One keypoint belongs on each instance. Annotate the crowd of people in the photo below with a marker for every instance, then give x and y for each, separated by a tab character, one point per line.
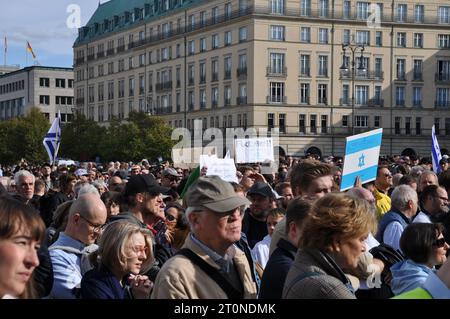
141	231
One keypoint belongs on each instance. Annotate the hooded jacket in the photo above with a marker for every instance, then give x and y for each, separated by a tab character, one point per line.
407	275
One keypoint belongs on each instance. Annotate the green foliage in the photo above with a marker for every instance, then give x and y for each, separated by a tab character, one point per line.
22	138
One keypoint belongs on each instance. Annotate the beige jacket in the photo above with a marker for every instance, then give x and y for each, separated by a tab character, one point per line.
179	278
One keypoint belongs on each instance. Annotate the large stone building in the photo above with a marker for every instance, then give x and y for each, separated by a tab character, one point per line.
273	63
48	88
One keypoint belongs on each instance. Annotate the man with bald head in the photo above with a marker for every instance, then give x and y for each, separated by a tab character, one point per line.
86	219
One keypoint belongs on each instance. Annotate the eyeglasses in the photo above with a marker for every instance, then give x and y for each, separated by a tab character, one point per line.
173	179
440	242
170	218
95	228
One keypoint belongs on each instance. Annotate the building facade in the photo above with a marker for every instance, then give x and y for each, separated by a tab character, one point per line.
8	68
274	64
48	88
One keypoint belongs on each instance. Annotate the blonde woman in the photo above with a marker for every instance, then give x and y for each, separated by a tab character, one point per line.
125	251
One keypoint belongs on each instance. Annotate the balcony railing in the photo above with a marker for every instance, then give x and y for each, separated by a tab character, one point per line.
227	75
367	75
375	102
417	76
110	52
164	86
241	100
215	77
442	77
241	73
276	99
271	71
100	54
399	102
202	79
441	103
121	48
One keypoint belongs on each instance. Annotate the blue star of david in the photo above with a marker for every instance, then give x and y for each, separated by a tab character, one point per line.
361	161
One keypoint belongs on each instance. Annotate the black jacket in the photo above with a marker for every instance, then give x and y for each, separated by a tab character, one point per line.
276	270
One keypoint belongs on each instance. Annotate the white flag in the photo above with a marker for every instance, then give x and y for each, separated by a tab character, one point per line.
53	139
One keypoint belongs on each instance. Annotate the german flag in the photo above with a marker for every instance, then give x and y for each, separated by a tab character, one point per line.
30	49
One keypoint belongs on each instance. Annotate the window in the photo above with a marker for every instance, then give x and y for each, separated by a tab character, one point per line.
202	96
447	126
203	18
191	47
323	65
346	12
121	85
444	14
322	94
243	91
346	36
362	94
323	35
313	123
141	84
302	123
344	120
378	67
324	123
400	96
215	41
444	40
376	121
418	40
243	61
304	93
277	32
401	74
377	96
227	95
361	121
214	97
242	34
227	68
378	38
228	10
71	81
363	37
401	12
419	12
215	70
437	122
305	34
142	58
276	92
130	62
202	72
407	125
305	7
191	100
131	86
202	44
44	99
417	74
304	65
111	90
345	94
227	38
277	6
277	63
270	120
282	122
61	83
362	10
44	82
397	125
323	8
418	125
401	39
443	97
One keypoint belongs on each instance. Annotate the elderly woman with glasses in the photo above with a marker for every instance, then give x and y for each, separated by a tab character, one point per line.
424	247
124	252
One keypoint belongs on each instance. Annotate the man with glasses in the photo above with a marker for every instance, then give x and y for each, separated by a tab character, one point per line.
86	219
383	183
210	265
434	204
170	178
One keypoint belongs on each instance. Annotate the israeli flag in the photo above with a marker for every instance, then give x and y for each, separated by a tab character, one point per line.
436	155
361	158
53	139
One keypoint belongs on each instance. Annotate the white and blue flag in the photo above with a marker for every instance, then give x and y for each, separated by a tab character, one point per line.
53	139
361	158
436	155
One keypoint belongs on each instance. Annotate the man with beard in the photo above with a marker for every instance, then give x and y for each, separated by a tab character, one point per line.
146	209
262	199
46	170
434	204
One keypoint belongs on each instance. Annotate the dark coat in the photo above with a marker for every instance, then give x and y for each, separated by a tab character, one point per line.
276	270
101	284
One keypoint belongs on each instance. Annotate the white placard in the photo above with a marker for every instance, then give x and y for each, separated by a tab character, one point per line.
253	150
224	168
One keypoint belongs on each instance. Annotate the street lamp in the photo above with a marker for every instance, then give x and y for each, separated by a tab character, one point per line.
361	68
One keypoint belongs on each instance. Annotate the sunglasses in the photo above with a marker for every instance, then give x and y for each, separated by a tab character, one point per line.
170	218
439	242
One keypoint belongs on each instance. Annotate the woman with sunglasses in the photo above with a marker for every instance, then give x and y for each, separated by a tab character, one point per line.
424	247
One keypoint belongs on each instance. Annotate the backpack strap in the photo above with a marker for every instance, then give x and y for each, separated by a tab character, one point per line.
300	278
213	273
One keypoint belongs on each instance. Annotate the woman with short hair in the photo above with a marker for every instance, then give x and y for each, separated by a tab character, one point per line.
332	241
21	232
424	247
125	251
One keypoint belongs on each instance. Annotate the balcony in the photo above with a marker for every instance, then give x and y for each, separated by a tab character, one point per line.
100	54
276	72
375	102
241	73
110	52
417	76
276	99
121	48
164	86
441	103
400	77
442	78
215	77
367	75
241	100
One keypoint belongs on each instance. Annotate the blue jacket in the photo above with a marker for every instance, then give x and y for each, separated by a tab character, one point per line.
276	270
407	275
100	283
391	216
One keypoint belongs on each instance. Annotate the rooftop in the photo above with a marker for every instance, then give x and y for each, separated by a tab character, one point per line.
35	67
119	15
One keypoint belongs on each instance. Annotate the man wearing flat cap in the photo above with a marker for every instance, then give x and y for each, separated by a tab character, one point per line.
209	265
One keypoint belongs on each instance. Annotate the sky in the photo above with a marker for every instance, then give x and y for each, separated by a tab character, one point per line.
45	25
